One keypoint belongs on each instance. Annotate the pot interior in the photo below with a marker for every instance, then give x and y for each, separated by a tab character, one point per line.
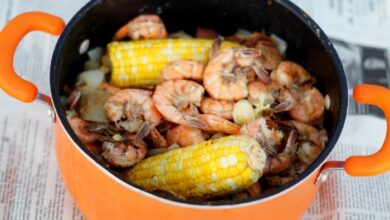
307	45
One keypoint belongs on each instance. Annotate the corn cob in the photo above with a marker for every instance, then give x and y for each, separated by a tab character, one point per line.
211	168
140	63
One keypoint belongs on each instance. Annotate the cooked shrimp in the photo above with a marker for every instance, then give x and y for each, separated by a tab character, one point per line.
219	108
310	105
218	124
184	136
224	78
309	133
313	142
109	88
73	99
271	56
261	94
286	101
281	161
254	189
79	127
143	27
158	139
289	74
265	134
308	152
124	154
134	105
276	180
173	96
183	69
191	110
270	53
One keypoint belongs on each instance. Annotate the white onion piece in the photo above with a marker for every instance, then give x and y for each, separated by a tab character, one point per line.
280	44
91	65
95	53
174	147
93	78
242	33
243	112
70	114
105	69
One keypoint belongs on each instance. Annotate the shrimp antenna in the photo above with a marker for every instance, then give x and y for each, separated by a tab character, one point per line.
215	47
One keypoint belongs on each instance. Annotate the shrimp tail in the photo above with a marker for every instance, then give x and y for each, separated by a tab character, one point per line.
215	47
261	73
214	123
73	99
269	150
194	122
143	132
282	107
291	144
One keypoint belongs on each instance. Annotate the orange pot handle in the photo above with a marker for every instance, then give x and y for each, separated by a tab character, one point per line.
10	37
378	162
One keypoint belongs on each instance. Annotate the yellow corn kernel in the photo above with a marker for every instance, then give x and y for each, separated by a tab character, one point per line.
211	168
140	63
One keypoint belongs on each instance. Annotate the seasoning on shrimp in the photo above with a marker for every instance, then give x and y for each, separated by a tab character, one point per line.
310	133
264	134
124	154
281	161
79	127
133	104
261	94
308	152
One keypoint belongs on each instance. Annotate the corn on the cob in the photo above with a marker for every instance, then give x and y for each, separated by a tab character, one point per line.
140	63
211	168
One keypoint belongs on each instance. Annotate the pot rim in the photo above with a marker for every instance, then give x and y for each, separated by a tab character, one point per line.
291	7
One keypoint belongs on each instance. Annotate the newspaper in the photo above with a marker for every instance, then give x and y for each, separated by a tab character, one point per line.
360	32
31	186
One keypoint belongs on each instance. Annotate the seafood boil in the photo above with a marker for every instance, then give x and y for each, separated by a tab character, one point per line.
203	118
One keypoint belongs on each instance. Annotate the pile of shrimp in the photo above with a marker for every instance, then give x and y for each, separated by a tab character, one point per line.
249	90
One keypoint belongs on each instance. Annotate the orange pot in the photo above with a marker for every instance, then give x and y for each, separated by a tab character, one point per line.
98	191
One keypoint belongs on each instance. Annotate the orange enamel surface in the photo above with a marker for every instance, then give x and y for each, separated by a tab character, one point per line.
378	162
10	37
100	197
